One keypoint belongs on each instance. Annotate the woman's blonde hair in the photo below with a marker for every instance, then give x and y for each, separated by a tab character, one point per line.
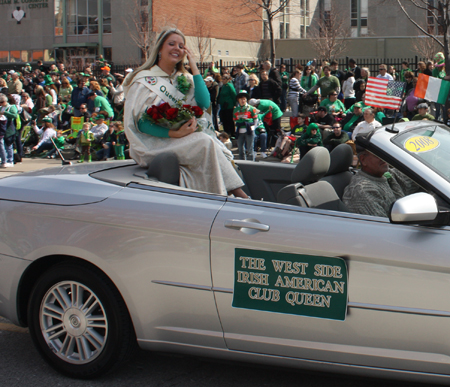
153	57
253	76
94	85
3	83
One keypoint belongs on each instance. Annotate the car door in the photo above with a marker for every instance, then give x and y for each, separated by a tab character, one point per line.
395	316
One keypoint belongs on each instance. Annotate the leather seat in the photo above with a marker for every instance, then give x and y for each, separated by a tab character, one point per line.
339	174
306	190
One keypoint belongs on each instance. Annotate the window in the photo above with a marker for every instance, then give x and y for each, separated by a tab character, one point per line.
304	18
82	17
434	10
363	15
107	53
284	20
59	27
107	17
38	55
4	56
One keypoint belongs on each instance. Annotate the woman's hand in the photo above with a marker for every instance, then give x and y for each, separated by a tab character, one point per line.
188	128
192	61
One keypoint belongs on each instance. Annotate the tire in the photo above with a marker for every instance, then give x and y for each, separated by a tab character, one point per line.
79	322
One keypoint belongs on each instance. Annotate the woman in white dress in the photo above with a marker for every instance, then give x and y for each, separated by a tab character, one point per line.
205	164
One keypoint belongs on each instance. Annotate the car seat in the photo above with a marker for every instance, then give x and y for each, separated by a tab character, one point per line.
306	190
339	174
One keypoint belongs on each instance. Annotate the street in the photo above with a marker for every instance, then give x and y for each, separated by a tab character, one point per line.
21	365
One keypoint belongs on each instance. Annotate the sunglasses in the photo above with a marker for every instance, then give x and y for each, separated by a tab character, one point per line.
336	127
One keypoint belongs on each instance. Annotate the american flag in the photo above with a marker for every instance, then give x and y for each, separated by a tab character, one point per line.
384	93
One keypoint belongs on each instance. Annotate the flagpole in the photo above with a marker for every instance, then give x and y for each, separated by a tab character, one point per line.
395	115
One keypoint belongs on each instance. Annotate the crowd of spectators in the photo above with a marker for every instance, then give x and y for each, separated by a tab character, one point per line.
38	106
41	107
320	93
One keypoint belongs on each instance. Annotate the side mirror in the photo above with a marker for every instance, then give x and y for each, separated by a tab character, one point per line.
419	208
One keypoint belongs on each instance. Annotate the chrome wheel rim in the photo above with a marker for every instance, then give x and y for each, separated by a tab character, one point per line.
73	322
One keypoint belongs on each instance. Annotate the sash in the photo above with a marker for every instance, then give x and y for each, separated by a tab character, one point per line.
163	89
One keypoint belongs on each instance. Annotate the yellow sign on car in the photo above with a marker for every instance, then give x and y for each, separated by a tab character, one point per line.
419	144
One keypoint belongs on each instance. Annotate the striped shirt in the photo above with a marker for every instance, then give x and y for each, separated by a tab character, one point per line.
295	88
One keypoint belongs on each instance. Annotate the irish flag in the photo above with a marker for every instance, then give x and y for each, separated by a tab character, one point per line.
432	89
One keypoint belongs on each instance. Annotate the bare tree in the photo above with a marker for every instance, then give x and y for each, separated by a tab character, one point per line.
202	37
438	11
425	47
265	11
329	35
138	27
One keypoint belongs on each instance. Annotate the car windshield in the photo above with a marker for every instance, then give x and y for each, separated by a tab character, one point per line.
429	144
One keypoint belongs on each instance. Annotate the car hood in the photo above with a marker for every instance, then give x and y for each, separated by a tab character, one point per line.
64	186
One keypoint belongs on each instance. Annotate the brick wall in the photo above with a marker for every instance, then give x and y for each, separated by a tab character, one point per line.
224	19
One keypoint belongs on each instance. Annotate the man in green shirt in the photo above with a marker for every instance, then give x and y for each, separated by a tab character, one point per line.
327	84
423	113
274	125
101	104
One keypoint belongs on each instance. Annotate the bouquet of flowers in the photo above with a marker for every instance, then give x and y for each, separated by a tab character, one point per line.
171	117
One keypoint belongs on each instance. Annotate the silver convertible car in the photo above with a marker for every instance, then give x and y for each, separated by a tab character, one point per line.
96	258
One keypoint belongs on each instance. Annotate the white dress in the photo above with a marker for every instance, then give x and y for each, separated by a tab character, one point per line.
205	163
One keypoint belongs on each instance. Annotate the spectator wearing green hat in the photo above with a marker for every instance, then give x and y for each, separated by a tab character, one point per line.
245	116
309	140
51	89
100	127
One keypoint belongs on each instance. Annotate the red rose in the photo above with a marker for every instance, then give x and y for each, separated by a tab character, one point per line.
163	108
157	115
172	113
150	110
197	111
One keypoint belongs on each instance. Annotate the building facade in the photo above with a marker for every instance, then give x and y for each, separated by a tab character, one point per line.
374	28
78	31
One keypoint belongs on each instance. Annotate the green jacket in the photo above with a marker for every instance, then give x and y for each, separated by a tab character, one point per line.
308	138
59	142
84	137
264	105
227	96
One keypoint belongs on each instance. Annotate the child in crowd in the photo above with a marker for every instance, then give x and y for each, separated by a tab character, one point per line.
85	138
59	142
311	138
120	141
46	133
244	116
225	138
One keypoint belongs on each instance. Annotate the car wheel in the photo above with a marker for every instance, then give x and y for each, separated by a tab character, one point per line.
79	322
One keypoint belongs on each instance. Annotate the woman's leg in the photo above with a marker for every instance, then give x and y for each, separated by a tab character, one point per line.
19	144
9	153
2	151
293	101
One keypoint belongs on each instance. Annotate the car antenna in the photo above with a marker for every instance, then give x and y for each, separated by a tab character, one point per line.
392	129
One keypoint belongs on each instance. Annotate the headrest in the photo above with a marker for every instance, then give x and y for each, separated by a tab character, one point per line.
341	158
312	167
